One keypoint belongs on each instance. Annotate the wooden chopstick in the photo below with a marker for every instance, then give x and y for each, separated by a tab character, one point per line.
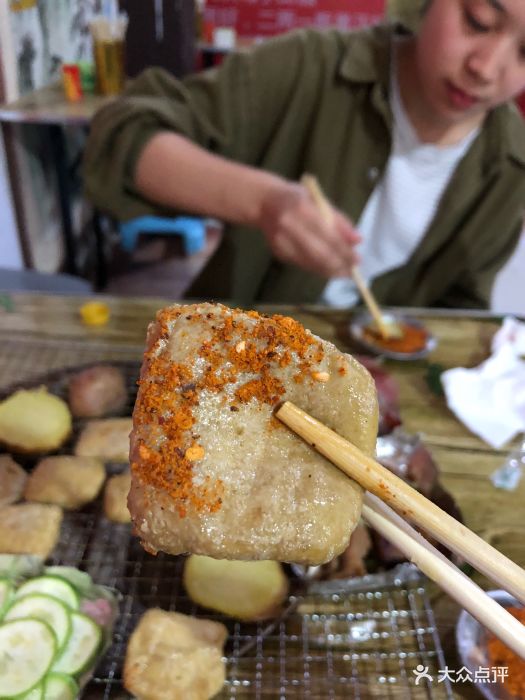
405	500
312	185
443	572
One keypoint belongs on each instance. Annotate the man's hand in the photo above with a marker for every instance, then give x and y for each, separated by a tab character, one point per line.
297	233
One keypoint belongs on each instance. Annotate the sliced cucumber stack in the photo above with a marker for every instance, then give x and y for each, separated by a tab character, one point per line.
27	650
43	607
82	646
59	686
47	646
51	585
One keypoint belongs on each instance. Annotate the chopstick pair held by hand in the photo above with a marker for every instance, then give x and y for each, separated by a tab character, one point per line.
407	502
325	208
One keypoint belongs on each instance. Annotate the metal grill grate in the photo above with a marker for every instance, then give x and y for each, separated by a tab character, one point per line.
353	644
331	643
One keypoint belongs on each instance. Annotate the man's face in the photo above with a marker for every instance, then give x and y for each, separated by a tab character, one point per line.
470	56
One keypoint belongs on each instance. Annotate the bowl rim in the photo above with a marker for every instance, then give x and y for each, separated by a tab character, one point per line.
465	626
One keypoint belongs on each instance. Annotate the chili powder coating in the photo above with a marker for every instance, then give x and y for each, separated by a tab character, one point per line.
205	437
271	342
501	656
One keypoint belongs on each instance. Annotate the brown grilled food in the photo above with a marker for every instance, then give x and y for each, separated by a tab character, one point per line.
12	480
97	391
116	498
213	472
171	656
29	528
66	481
107	439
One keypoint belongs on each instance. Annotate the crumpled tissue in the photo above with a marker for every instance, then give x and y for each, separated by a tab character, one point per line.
490	399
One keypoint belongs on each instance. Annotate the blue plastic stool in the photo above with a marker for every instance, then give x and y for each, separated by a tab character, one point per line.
192	230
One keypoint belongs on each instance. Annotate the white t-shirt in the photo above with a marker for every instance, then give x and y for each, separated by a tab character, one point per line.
402	205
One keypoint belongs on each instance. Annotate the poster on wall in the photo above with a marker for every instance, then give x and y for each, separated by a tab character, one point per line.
260	18
46	34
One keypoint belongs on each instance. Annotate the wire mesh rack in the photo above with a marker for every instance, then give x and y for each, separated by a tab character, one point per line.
363	642
360	639
333	641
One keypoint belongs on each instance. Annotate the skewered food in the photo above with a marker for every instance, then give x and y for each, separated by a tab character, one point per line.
107	439
34	421
213	472
116	498
67	481
170	655
247	590
97	391
29	528
12	480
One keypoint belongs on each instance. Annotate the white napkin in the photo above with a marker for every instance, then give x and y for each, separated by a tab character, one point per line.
490	399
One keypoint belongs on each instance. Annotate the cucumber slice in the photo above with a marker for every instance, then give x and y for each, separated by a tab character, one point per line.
82	646
6	591
35	694
45	608
27	650
51	585
80	581
58	686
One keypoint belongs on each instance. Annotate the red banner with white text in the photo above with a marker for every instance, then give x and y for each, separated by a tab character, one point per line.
258	18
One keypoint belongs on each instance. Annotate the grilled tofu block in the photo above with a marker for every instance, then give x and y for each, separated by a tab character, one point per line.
29	528
67	481
171	656
213	471
116	498
12	480
107	439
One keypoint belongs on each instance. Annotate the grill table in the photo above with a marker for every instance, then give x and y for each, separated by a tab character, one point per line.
330	643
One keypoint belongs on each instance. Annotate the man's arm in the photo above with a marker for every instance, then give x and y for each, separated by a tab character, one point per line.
178	174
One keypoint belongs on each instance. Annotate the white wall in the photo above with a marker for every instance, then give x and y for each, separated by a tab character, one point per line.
509	290
10	254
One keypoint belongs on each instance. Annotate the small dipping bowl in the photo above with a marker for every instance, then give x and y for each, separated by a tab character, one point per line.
471	642
362	321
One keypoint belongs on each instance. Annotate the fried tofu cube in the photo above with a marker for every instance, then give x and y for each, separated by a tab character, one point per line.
29	528
66	481
116	498
12	480
107	439
171	656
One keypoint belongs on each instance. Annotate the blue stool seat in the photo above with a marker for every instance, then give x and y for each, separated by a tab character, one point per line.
192	230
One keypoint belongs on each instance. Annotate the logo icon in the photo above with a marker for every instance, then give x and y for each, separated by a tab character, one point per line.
421	672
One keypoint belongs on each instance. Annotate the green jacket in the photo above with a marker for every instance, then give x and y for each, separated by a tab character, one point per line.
317	102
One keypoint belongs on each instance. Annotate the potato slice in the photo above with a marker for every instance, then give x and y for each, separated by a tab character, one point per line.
34	421
247	590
